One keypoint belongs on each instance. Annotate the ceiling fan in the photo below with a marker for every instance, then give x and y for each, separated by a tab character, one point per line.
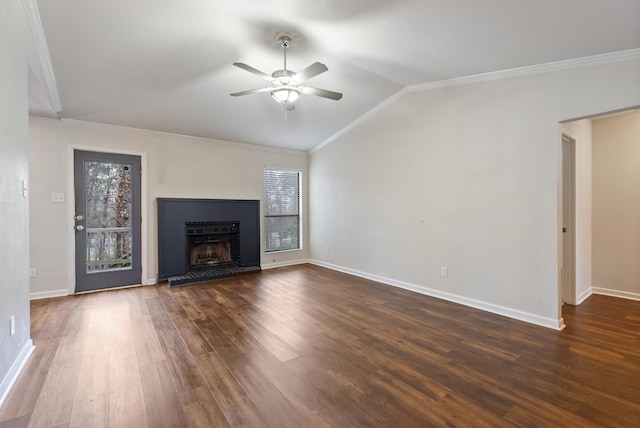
286	85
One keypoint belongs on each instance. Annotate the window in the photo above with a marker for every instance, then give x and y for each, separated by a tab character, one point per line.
281	210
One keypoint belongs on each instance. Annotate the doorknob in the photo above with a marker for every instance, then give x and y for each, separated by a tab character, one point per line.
79	217
79	227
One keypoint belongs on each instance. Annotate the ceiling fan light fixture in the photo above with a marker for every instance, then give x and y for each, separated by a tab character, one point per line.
285	95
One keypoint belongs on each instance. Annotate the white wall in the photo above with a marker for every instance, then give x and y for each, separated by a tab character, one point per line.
464	177
14	214
580	131
177	166
616	205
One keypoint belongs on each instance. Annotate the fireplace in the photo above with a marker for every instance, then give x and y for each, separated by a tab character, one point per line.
204	239
212	245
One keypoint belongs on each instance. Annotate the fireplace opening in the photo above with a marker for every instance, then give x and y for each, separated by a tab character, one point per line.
212	245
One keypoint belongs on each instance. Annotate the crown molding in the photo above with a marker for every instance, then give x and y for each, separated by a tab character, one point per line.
388	101
608	58
110	126
37	32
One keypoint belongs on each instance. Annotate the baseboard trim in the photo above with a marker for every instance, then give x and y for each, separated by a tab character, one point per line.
616	293
48	294
584	295
14	372
65	292
284	264
555	324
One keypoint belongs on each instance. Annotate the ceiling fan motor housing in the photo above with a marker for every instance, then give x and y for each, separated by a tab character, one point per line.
283	77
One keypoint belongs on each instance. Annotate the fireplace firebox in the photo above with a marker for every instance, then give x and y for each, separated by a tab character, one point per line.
212	245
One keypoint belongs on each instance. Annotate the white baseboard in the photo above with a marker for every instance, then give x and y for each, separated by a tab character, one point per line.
284	264
616	293
584	295
49	294
555	324
15	370
65	292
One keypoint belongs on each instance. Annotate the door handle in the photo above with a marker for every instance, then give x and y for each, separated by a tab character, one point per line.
79	217
79	227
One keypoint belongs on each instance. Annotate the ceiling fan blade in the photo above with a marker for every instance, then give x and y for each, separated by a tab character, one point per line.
251	91
309	72
255	71
322	93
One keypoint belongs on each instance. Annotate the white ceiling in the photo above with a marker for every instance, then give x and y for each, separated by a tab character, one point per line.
166	65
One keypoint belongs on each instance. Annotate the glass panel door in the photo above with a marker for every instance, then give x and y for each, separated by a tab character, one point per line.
107	220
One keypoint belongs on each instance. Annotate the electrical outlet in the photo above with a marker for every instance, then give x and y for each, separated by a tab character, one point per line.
12	325
33	273
444	271
57	198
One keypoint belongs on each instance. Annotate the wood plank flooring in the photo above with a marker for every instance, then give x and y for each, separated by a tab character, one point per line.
305	346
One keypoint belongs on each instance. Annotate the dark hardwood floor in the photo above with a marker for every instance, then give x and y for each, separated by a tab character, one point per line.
308	347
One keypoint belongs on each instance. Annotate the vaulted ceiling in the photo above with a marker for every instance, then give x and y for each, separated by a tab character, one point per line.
166	65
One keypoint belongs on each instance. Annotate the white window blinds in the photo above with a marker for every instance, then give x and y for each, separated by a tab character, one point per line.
281	210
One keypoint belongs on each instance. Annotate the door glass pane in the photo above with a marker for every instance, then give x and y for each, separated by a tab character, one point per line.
108	216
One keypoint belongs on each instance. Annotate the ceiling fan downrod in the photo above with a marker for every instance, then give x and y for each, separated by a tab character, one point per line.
285	42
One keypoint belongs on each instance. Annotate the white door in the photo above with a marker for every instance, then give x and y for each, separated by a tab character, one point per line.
568	264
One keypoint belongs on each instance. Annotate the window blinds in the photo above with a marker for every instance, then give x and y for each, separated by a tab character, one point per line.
281	210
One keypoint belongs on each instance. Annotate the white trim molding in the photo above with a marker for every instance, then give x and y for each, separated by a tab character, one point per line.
266	266
608	58
616	293
37	32
584	295
108	126
555	324
12	376
49	294
386	102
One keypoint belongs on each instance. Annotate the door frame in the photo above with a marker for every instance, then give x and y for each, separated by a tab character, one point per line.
568	204
71	203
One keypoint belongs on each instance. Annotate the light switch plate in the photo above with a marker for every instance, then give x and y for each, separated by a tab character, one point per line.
57	197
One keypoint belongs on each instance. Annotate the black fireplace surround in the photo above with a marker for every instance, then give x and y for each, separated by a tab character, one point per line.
185	223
